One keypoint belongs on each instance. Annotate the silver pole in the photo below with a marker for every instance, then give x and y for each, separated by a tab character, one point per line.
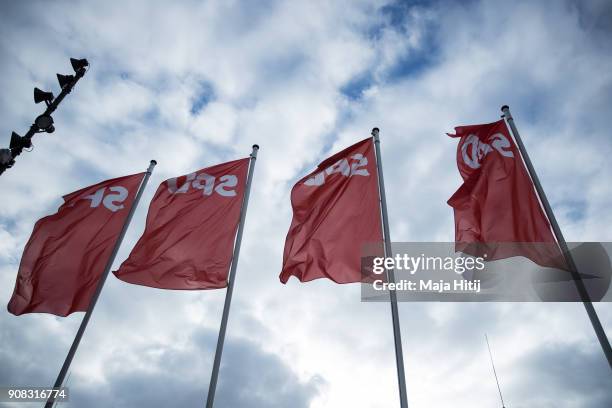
397	336
494	372
77	339
230	284
584	295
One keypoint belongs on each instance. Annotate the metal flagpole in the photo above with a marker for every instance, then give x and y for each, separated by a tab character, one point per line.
77	339
397	336
230	284
584	295
495	372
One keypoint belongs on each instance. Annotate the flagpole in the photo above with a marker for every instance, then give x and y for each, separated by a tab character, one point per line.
582	291
397	336
230	284
77	339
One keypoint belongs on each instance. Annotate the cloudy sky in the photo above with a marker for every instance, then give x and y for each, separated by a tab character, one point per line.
196	83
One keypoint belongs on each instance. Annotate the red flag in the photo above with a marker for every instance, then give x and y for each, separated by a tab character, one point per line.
497	203
335	211
67	252
191	225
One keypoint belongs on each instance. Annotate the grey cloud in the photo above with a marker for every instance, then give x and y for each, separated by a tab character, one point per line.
162	375
575	376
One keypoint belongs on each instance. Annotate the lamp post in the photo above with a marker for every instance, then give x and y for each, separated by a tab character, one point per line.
44	121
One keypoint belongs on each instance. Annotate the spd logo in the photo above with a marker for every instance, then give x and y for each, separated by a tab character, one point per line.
205	182
112	200
355	168
473	150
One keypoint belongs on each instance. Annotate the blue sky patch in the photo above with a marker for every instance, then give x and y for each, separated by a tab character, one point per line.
354	89
575	209
203	96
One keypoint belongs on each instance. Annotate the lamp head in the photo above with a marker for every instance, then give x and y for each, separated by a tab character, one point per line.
19	142
64	80
40	96
78	64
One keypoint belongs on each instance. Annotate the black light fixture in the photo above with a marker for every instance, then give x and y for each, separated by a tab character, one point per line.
6	159
40	96
64	80
78	64
45	123
19	142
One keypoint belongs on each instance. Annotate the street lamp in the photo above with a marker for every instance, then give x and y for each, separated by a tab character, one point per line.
44	121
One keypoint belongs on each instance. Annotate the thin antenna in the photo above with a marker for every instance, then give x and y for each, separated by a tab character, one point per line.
494	372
